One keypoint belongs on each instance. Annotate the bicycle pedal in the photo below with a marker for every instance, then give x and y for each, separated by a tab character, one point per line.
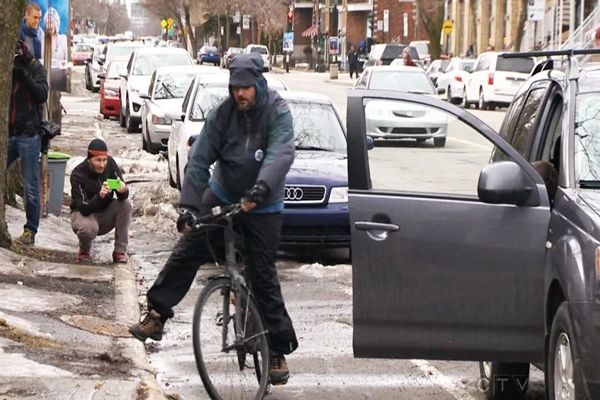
280	383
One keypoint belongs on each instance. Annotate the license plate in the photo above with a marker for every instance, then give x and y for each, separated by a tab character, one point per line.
212	54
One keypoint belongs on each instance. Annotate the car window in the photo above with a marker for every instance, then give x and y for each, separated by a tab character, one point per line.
187	97
408	136
206	99
524	132
122	51
587	137
259	50
317	125
114	68
401	81
392	51
82	48
508	125
521	65
147	63
172	86
484	63
466	65
422	48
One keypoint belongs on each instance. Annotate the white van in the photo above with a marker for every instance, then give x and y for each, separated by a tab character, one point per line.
264	53
495	80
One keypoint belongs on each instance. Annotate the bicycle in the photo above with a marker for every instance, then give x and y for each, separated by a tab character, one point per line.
250	334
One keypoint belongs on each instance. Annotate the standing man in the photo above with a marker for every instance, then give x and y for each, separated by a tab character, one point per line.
250	136
353	61
95	211
31	33
29	92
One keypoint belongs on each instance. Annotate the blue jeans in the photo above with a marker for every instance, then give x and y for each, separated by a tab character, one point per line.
28	149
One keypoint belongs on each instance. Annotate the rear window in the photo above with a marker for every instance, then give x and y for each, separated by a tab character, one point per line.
259	50
522	65
393	51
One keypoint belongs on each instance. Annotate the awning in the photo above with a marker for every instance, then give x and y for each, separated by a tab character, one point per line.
310	32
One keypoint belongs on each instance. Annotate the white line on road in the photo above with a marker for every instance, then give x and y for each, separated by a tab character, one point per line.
491	145
453	387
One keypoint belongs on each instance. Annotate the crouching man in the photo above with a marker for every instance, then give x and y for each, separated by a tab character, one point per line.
94	209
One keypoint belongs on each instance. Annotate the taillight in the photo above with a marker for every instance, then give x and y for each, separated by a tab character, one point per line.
458	78
219	54
230	56
491	79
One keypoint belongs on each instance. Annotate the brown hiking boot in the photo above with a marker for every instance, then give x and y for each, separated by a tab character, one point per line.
28	238
279	373
151	326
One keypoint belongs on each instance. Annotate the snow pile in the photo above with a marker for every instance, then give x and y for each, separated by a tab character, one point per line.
136	161
334	273
155	206
72	163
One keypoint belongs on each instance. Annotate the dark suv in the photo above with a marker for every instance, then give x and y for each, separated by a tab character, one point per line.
508	276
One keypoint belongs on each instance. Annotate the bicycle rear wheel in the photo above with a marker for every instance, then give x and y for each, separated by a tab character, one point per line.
216	351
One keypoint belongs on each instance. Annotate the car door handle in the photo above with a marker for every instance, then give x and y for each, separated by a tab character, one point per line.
379	226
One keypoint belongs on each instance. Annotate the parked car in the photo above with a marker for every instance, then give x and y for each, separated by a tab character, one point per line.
316	191
229	54
454	78
142	64
110	82
510	274
384	54
264	53
93	68
80	53
204	90
168	87
385	121
436	68
209	54
119	49
494	80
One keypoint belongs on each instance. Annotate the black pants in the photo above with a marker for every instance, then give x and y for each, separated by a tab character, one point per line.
353	70
261	241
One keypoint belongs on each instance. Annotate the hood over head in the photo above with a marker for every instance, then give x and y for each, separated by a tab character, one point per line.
246	70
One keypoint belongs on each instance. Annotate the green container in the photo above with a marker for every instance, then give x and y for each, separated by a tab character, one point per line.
57	166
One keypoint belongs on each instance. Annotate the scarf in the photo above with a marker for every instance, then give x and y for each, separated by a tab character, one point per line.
32	33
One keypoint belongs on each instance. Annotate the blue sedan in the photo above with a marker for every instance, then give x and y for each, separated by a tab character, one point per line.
209	54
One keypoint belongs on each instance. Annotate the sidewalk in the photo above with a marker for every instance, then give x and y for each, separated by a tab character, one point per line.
343	76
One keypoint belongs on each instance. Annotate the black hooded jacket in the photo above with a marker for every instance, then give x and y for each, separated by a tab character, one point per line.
28	94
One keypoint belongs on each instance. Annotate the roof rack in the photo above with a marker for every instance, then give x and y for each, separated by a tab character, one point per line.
550	53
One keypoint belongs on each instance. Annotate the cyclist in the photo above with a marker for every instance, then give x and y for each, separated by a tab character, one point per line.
250	137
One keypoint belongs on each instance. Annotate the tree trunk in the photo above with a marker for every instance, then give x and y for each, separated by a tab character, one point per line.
521	24
432	15
473	25
219	32
190	31
10	21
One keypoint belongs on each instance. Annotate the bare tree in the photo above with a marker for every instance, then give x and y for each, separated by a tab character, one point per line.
521	24
432	15
108	19
179	10
10	21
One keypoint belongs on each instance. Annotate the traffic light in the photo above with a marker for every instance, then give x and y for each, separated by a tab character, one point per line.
290	20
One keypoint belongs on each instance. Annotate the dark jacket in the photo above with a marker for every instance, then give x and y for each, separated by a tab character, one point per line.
251	146
28	94
353	57
86	185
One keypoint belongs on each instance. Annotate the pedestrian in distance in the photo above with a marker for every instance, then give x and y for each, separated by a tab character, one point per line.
353	61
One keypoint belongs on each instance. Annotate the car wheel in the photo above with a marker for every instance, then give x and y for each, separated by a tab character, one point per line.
463	102
483	105
87	81
122	121
131	126
439	142
172	182
503	381
201	62
563	373
449	95
144	143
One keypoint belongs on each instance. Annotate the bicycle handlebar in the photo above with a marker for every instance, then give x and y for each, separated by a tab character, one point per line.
217	213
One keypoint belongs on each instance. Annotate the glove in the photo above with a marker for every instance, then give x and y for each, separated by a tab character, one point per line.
257	194
186	219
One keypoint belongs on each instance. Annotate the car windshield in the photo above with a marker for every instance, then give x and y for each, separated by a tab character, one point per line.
587	137
466	65
79	48
317	127
172	86
114	68
146	64
259	50
206	98
122	51
521	65
422	48
401	81
208	48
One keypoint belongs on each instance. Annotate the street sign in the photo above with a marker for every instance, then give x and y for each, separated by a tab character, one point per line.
288	42
405	24
236	17
246	22
163	23
334	45
535	10
386	20
448	27
170	22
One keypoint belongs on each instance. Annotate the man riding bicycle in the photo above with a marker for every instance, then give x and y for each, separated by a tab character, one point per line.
250	137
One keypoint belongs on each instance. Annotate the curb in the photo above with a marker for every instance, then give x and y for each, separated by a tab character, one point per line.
338	82
127	311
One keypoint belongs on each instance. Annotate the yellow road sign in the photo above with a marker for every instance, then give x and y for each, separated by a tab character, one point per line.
170	22
163	23
448	27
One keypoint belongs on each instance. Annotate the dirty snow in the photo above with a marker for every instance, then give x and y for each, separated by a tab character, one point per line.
16	365
154	205
24	325
19	298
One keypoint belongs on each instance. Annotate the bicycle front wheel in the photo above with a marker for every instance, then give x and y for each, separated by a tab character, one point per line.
230	368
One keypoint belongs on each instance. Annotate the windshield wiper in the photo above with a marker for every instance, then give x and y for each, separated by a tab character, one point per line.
167	89
312	148
589	184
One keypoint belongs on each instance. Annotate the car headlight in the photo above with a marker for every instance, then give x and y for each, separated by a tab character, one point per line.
110	93
156	120
338	195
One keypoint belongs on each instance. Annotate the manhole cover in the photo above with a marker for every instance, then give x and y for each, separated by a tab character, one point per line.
96	325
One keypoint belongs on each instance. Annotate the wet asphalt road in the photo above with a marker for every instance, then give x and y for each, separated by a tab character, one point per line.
317	286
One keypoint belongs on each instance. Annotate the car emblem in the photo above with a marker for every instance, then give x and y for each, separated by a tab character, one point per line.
293	193
408	113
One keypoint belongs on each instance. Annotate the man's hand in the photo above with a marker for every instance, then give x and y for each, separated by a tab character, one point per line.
256	195
185	220
123	188
104	190
248	206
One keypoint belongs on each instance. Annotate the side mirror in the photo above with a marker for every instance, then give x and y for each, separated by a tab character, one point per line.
370	143
505	182
101	76
89	59
144	96
441	90
441	70
174	115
